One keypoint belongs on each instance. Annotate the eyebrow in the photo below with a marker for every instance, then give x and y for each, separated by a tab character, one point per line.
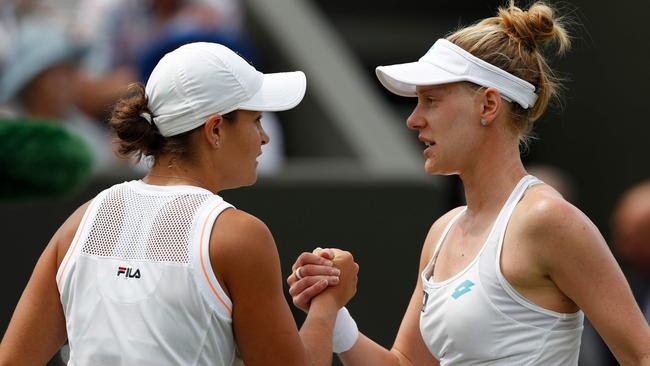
431	93
435	90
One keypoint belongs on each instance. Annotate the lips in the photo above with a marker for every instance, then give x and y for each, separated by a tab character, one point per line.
427	142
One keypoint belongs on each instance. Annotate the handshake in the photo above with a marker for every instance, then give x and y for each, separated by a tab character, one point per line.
327	274
314	273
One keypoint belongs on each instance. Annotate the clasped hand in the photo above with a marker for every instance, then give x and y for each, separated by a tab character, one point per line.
324	272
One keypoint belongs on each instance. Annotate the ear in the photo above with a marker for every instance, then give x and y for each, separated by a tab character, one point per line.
212	129
490	104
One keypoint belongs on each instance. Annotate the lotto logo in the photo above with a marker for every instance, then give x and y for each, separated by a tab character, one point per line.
462	289
128	272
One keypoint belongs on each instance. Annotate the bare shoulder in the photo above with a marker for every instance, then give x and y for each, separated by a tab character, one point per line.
242	245
549	225
543	211
238	230
63	237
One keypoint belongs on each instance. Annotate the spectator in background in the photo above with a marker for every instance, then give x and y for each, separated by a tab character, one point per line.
631	244
631	239
97	93
40	79
118	32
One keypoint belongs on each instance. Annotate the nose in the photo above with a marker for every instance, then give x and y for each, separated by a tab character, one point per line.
415	121
264	137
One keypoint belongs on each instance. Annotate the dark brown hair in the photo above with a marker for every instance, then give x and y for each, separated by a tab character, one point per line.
136	137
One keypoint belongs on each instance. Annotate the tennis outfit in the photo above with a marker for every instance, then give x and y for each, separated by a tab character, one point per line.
137	286
477	318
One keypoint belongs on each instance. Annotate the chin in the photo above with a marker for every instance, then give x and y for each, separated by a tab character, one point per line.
242	183
252	180
430	169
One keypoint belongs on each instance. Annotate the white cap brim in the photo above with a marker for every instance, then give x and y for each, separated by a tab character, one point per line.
402	79
279	92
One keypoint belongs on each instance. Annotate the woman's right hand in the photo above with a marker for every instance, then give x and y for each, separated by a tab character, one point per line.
347	287
318	270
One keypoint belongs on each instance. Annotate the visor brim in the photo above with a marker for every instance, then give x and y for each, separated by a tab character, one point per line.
402	79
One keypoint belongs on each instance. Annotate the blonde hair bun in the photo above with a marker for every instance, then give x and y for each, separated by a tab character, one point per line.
535	26
514	41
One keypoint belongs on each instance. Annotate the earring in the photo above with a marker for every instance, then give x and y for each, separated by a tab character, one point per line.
216	142
484	122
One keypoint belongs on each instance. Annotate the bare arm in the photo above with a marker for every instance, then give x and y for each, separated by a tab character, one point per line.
579	262
245	258
409	348
37	328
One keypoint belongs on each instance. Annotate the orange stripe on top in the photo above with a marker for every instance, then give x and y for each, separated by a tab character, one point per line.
205	272
76	241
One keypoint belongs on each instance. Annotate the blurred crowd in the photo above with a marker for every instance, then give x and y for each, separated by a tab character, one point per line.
69	61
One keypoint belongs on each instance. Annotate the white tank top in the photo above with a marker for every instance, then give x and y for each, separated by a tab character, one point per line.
137	286
477	318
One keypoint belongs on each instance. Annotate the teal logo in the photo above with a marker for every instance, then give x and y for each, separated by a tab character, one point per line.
462	289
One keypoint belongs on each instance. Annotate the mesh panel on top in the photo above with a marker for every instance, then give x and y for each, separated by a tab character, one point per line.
137	226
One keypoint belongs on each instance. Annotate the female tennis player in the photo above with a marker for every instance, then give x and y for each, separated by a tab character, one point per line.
163	271
508	278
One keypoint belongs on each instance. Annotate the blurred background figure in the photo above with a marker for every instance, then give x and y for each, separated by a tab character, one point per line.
631	240
41	79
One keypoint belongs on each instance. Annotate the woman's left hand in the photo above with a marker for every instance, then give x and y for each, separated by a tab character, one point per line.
309	271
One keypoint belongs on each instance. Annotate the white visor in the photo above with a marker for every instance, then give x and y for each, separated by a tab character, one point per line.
279	92
447	63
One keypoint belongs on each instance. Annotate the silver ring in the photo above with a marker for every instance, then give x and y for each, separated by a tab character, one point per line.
297	273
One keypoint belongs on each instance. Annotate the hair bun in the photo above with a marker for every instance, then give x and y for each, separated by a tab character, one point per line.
534	26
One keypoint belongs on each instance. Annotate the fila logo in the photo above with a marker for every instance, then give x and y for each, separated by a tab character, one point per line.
128	272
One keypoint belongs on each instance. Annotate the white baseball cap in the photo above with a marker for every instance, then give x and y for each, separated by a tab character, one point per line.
199	79
446	63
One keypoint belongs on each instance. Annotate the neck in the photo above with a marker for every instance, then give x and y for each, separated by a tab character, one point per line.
489	182
169	172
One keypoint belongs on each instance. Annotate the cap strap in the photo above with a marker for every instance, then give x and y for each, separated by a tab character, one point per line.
147	116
